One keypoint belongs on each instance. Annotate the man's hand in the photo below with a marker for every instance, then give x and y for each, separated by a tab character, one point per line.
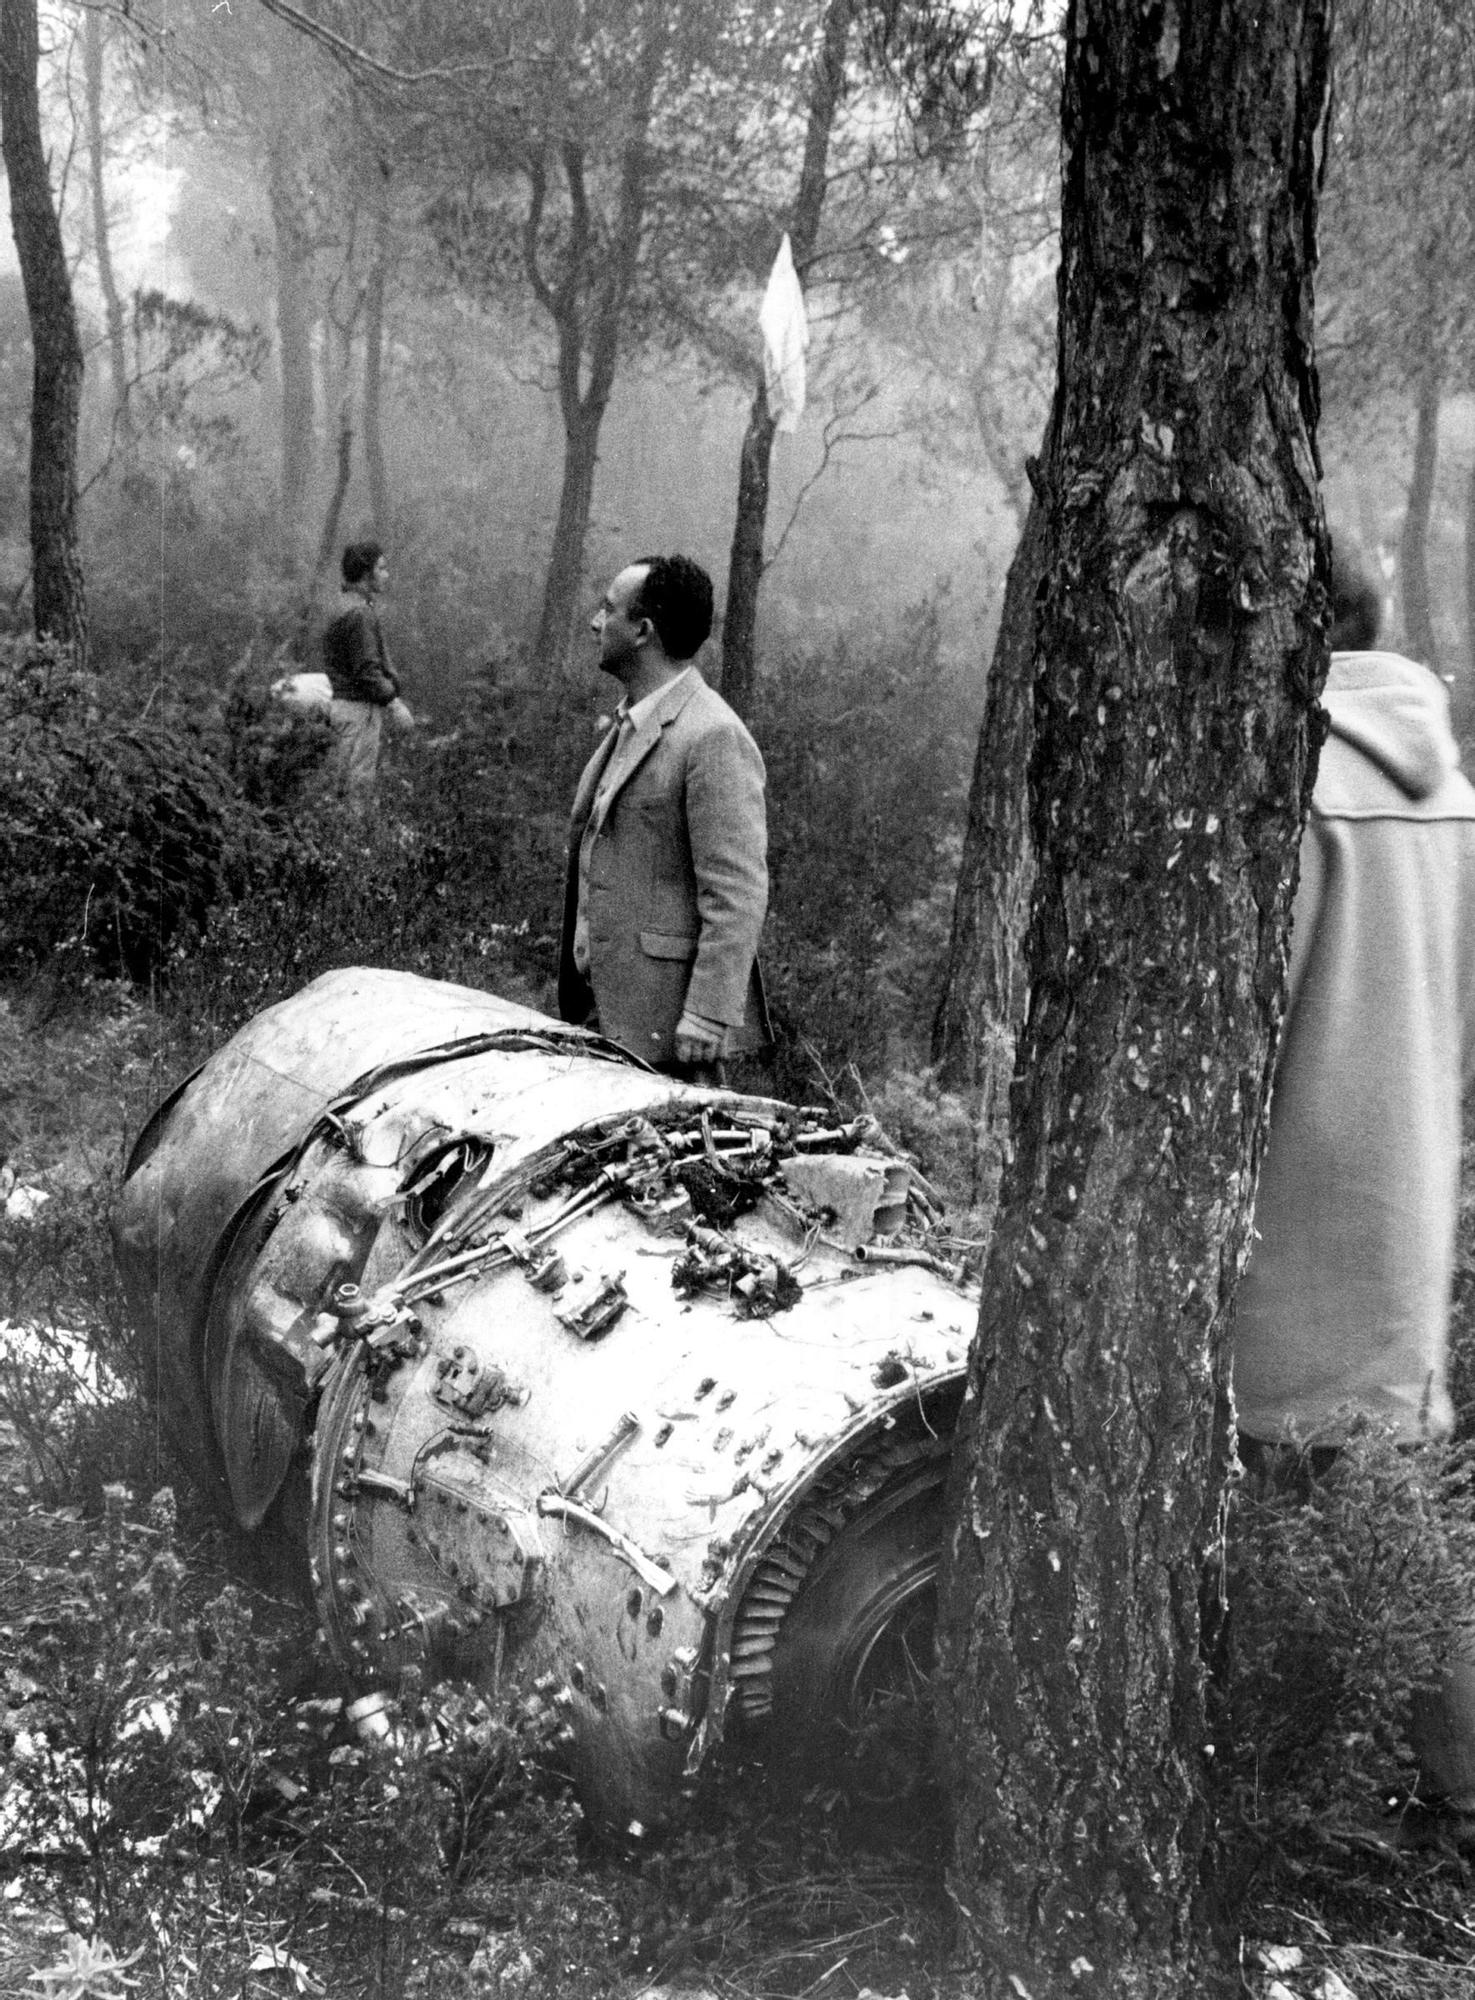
699	1040
398	716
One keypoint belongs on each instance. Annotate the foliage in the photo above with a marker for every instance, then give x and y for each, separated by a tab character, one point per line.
1347	1587
184	352
154	1771
867	749
116	833
759	1899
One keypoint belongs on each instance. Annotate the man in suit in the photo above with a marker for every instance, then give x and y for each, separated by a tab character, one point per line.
667	880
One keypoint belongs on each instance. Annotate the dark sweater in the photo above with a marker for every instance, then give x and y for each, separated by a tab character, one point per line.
355	658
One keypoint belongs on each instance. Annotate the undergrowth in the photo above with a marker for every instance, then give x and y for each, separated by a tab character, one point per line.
184	1806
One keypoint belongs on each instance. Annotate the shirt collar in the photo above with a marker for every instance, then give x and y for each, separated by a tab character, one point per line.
636	713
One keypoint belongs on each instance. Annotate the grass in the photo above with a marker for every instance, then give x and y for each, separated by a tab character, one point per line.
275	1857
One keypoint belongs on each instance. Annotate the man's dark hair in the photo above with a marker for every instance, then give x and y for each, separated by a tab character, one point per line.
676	596
359	559
1357	610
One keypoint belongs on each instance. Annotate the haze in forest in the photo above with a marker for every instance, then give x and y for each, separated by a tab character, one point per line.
225	181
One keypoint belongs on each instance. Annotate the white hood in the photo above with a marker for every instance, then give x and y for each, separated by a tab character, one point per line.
1396	713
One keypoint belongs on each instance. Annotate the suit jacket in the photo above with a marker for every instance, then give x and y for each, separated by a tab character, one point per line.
678	878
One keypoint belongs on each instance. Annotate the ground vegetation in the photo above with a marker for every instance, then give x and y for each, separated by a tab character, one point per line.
186	1807
192	1814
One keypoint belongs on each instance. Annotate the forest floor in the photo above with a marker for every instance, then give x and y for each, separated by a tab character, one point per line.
289	1862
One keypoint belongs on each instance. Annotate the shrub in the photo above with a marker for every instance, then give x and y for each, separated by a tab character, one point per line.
117	832
1346	1592
868	753
176	1796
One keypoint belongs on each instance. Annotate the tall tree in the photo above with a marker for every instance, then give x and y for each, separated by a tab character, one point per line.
1178	651
93	64
931	63
981	1010
58	594
585	286
745	560
1399	255
556	167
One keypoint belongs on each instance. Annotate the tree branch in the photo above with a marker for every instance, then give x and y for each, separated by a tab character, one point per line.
353	57
834	436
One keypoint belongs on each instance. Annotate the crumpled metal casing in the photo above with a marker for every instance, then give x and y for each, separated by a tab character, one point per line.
626	1399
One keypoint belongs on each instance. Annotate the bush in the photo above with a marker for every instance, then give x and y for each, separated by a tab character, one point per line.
868	754
1346	1592
178	1799
118	832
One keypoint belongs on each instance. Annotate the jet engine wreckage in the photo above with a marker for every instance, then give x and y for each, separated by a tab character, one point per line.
633	1396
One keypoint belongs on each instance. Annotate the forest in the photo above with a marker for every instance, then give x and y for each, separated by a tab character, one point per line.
483	283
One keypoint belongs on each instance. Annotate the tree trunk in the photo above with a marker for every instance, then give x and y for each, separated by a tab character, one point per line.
588	310
328	540
1178	653
984	988
59	598
1413	547
374	299
566	557
745	563
294	354
1465	690
92	50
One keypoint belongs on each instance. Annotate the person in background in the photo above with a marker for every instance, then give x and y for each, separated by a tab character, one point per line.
1344	1307
356	661
667	877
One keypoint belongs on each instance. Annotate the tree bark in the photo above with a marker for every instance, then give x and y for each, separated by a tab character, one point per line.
984	988
92	54
1179	651
745	563
1465	695
294	352
1413	546
328	539
570	530
58	594
587	306
374	302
